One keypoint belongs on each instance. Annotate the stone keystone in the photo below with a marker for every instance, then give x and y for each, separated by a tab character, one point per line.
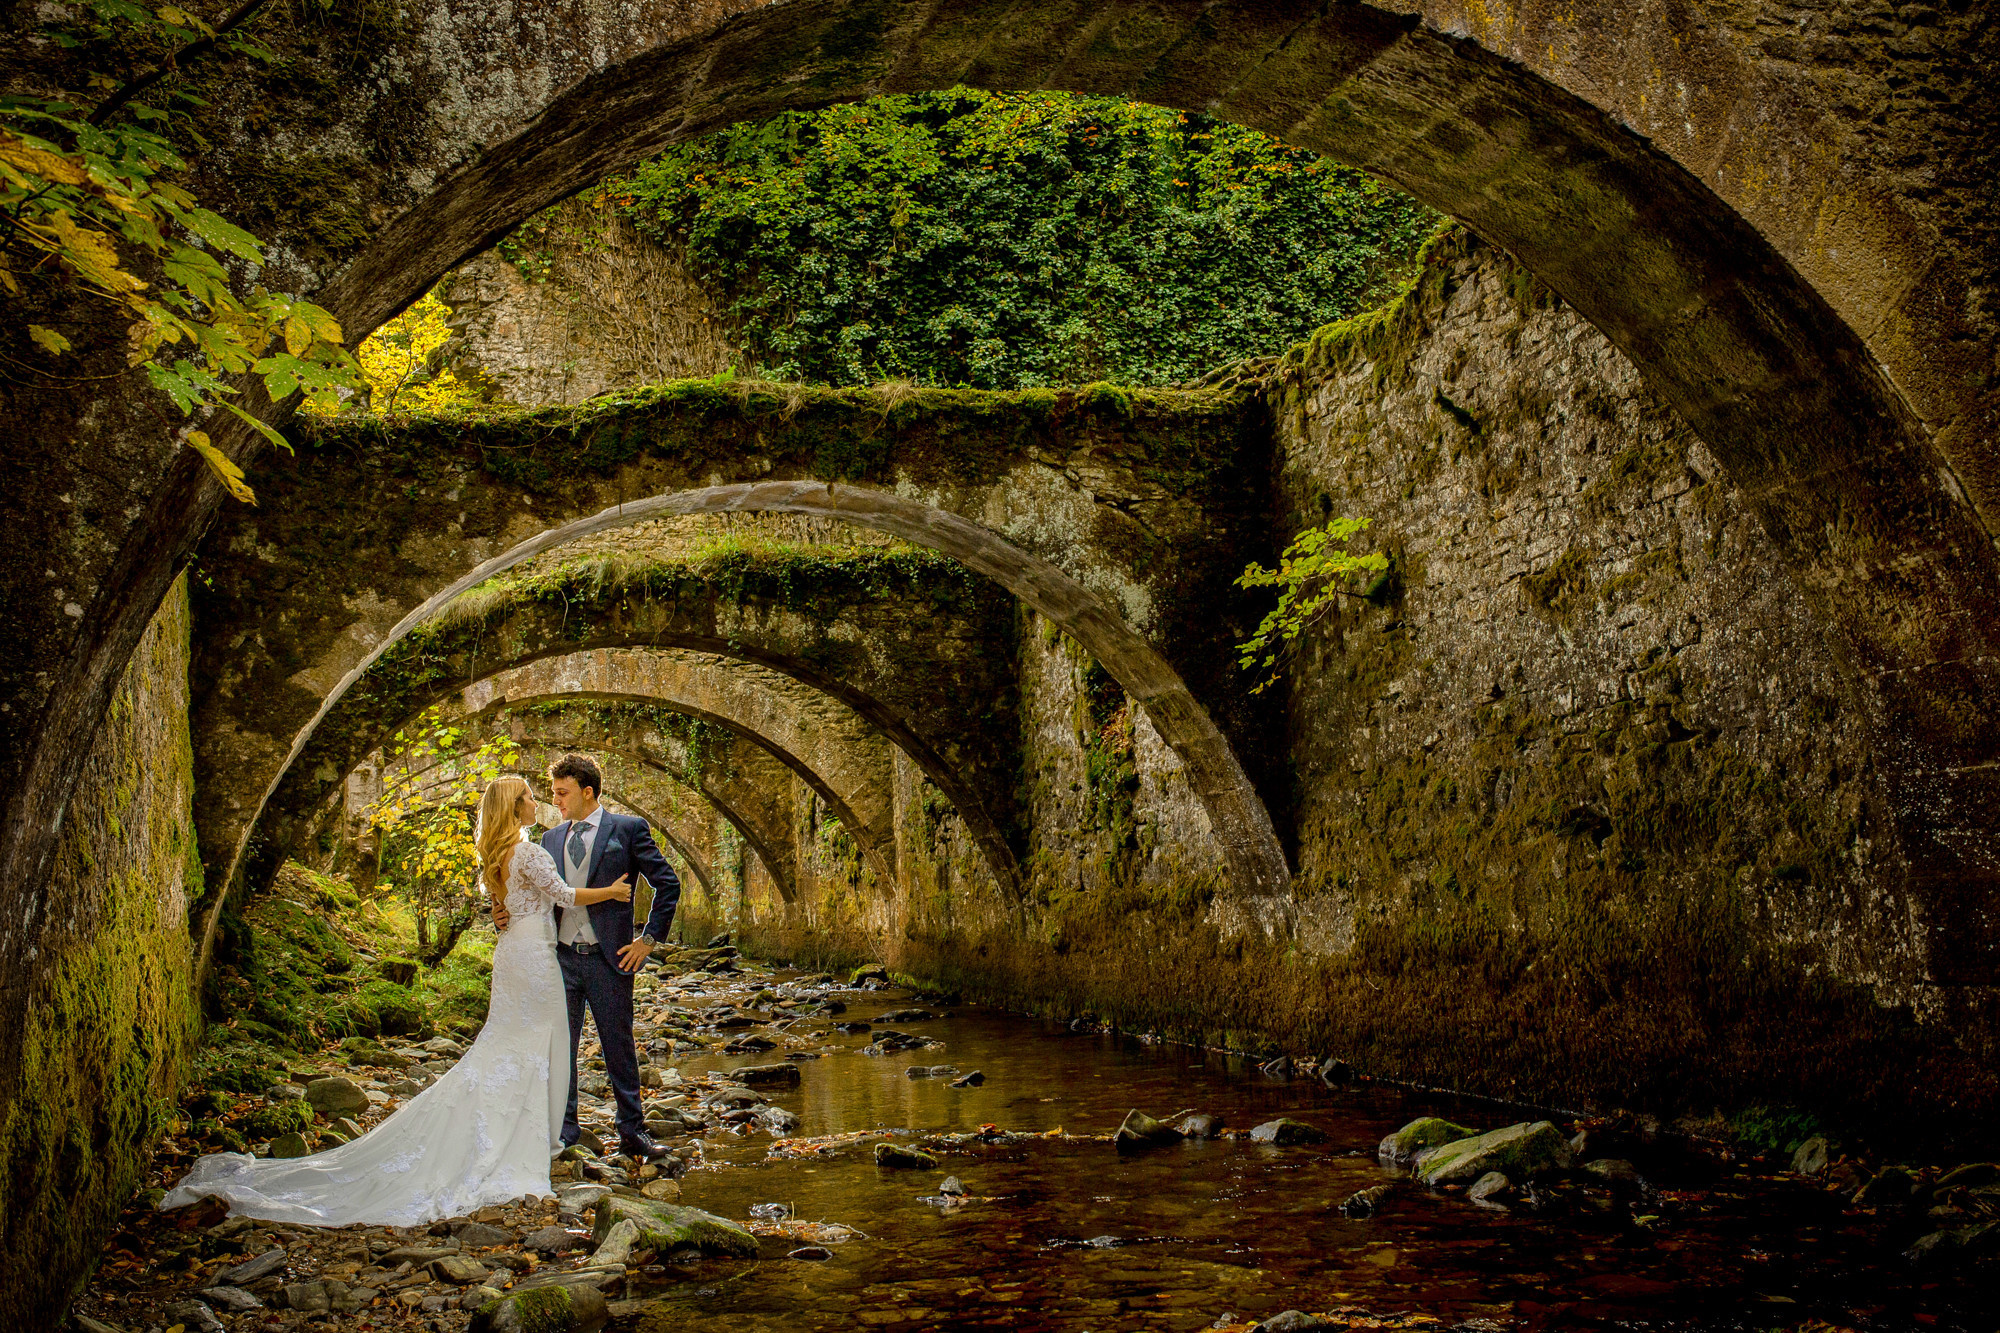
671	1226
1521	1152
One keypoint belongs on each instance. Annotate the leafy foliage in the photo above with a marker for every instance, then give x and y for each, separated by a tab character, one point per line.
88	206
1018	240
1313	572
397	363
426	812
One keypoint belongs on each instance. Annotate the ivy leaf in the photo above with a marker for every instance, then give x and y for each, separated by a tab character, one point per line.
219	463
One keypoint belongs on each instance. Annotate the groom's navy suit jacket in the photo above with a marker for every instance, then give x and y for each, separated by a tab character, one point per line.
625	846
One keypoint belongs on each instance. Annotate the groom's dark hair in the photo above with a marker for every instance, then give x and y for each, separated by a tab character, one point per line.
580	769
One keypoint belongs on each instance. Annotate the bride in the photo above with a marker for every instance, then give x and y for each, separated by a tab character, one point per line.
483	1133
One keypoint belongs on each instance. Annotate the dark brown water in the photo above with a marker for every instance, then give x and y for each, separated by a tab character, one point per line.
1067	1234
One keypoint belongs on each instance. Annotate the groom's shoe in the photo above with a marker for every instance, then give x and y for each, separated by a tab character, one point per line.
638	1145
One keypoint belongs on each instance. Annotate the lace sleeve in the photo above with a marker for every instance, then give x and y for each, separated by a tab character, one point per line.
535	869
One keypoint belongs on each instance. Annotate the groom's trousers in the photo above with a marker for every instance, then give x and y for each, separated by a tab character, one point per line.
591	977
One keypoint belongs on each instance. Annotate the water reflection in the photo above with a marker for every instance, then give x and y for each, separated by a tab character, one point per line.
1189	1233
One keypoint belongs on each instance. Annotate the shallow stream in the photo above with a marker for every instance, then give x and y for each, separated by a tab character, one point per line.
1064	1233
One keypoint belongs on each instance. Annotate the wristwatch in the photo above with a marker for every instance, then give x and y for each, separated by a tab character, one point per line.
648	941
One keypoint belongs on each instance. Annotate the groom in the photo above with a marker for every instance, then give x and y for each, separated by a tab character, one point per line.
594	848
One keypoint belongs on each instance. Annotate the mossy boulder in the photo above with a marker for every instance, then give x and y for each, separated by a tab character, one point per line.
551	1309
277	1119
670	1226
397	1012
401	971
1520	1152
1420	1136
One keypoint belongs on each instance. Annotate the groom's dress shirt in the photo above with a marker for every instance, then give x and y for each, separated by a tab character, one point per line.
576	873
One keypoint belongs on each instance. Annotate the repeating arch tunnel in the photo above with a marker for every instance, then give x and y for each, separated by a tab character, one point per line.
1796	344
1873	519
880	657
831	748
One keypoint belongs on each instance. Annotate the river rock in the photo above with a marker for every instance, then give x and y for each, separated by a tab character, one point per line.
336	1095
1616	1172
1490	1188
576	1198
868	972
551	1240
1286	1132
897	1157
291	1145
1365	1203
1280	1068
234	1299
671	1226
193	1316
555	1308
1892	1186
457	1269
1811	1157
1521	1152
1420	1136
479	1236
616	1247
665	1190
757	1075
906	1016
1293	1321
1201	1126
811	1253
310	1297
1142	1131
778	1120
1336	1073
250	1270
970	1080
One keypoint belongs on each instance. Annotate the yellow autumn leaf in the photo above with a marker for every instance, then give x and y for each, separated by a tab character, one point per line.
219	463
47	165
48	338
174	15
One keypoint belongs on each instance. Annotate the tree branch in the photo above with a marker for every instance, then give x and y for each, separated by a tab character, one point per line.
115	103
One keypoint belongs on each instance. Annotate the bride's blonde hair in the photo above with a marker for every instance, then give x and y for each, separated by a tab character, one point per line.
499	832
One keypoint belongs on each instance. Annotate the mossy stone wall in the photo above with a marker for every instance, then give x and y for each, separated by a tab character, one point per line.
1587	805
110	1018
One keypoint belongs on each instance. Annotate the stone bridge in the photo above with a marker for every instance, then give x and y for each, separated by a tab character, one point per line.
909	643
1772	214
827	745
1782	216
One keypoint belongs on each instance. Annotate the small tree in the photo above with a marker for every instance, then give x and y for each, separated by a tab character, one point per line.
1313	572
426	815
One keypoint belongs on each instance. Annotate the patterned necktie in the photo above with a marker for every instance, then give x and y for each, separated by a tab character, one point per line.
575	845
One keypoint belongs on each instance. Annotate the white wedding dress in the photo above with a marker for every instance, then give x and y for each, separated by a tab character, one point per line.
483	1134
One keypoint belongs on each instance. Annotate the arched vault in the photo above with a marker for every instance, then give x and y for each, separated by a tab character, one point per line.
915	647
829	746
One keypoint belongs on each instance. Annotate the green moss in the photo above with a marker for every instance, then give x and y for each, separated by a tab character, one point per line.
110	1016
540	1310
1558	592
276	1118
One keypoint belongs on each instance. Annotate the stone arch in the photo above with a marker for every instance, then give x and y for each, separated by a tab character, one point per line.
1237	816
832	749
1740	299
741	792
923	661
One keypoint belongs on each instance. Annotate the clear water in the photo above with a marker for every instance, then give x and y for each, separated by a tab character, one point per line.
1228	1231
